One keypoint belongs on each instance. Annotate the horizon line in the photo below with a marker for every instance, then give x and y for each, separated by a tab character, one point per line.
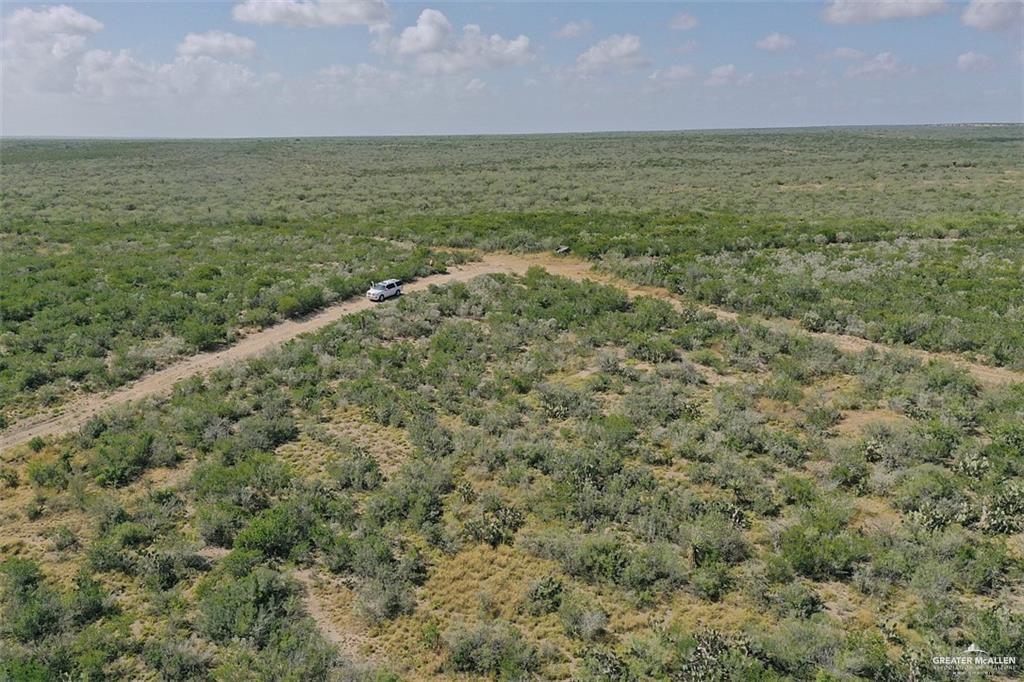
55	137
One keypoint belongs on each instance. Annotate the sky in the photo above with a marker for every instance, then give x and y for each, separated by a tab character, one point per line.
372	67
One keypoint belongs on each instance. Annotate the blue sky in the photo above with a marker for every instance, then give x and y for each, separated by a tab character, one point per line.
368	67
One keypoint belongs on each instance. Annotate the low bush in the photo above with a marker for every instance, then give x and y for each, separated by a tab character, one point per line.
492	649
582	618
543	596
795	600
653	571
51	474
716	539
31	610
932	496
253	606
497	525
64	539
121	458
356	471
178	660
712	581
218	523
283	531
820	546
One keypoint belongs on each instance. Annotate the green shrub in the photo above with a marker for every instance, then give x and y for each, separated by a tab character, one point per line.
796	599
252	606
653	571
711	580
601	664
561	402
299	302
219	523
651	348
710	655
281	531
414	494
716	539
819	546
851	471
203	335
800	648
494	650
931	495
264	434
64	539
356	471
177	660
1006	511
20	577
294	651
596	558
9	477
544	596
121	458
581	617
53	474
31	610
89	600
380	599
496	526
118	547
798	490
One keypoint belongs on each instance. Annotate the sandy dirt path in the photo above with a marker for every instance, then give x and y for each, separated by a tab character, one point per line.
72	415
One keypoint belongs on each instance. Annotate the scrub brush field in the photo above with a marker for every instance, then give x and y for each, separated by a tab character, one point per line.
765	421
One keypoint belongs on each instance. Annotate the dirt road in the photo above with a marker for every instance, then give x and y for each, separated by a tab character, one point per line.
74	414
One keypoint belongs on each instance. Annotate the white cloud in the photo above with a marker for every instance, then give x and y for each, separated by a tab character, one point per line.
45	50
42	47
846	53
726	75
867	11
774	42
574	29
614	53
360	83
684	48
673	73
476	85
881	65
435	48
312	13
117	75
973	61
993	14
667	78
683	22
431	33
795	75
217	44
720	75
57	22
476	50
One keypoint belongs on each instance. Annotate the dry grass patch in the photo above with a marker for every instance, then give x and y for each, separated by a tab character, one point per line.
477	584
855	421
342	430
732	615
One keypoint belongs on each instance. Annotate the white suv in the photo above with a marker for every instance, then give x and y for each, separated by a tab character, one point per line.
384	290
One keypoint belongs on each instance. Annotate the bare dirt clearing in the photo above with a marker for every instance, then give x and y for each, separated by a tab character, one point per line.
79	411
